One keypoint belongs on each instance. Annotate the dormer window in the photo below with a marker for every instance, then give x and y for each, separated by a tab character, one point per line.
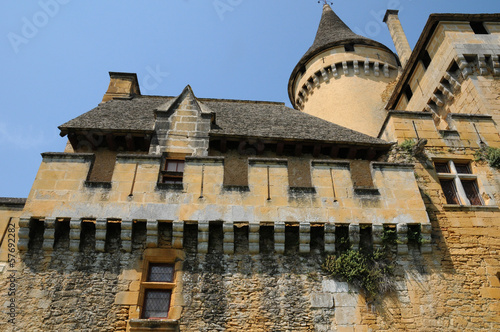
172	171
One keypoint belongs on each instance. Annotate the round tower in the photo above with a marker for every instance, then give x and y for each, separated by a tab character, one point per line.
344	77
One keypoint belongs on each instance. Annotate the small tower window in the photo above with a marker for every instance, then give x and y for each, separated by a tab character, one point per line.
478	28
408	93
426	59
349	47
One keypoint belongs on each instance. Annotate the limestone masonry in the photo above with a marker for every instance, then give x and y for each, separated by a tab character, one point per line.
195	214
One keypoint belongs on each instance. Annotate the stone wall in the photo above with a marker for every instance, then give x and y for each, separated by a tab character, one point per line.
453	289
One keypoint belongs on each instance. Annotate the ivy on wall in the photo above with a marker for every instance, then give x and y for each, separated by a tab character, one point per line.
370	271
491	155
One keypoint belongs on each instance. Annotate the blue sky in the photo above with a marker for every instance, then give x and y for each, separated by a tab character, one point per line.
56	55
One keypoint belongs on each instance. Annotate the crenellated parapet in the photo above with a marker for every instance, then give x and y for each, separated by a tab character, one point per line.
215	236
368	67
346	87
453	69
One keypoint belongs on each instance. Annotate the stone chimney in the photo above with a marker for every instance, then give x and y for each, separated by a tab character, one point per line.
398	36
122	85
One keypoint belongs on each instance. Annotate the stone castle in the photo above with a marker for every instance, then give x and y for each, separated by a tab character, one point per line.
195	214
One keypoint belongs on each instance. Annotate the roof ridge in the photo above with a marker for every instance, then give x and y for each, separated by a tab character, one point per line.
216	99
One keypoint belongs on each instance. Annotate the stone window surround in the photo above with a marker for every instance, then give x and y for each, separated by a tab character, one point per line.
457	180
167	175
167	256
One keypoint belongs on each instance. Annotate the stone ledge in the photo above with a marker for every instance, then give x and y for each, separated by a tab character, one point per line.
170	186
268	161
160	325
98	184
68	156
138	156
470	207
380	164
302	190
329	163
13	202
366	191
471	116
236	188
205	160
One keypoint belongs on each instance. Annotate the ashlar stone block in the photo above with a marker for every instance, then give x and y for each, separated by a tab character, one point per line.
100	234
75	229
330	238
49	233
279	238
126	235
322	300
304	238
177	234
24	232
203	229
152	233
228	229
253	238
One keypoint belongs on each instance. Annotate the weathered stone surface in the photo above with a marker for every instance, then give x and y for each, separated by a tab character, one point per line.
321	300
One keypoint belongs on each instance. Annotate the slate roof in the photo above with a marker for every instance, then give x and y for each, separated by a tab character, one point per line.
233	118
332	31
275	120
119	115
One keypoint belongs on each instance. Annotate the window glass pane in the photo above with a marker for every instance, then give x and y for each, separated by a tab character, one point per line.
442	167
180	166
463	168
450	192
161	273
171	166
156	303
471	192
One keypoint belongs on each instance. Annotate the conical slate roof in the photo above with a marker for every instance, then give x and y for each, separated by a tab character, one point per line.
332	31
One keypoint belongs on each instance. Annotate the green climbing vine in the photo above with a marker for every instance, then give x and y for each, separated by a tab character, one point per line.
491	155
407	145
369	271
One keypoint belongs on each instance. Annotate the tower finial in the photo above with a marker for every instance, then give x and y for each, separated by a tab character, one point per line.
325	2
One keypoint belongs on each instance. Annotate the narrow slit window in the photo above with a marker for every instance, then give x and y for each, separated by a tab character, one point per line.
349	47
408	93
478	28
426	59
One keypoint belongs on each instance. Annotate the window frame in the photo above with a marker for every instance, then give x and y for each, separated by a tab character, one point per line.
164	174
457	180
157	285
176	176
